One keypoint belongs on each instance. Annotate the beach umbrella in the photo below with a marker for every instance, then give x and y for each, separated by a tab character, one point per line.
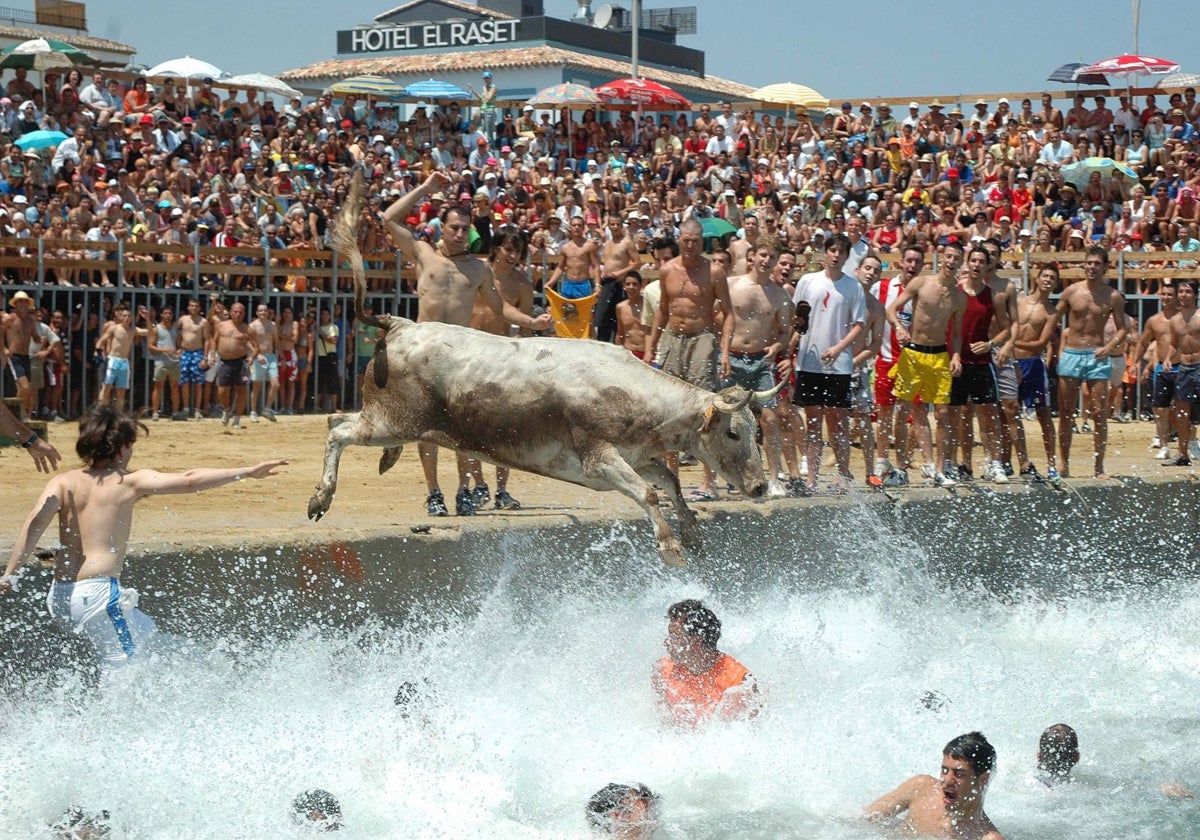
1066	75
187	68
434	89
44	54
1129	65
643	94
1179	80
566	95
714	227
790	93
261	82
378	87
1081	172
35	140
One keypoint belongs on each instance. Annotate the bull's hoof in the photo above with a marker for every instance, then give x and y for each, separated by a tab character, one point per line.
318	505
672	555
690	535
389	458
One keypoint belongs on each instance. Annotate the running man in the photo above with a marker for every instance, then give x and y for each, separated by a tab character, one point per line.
926	366
951	806
1185	341
1037	324
94	506
1084	362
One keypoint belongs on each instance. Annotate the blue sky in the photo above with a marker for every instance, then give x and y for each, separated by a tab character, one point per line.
860	50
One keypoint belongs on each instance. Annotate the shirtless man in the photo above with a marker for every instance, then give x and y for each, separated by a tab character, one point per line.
1084	362
618	257
739	249
235	348
1009	427
893	424
194	335
509	251
761	315
1158	332
951	806
690	288
265	367
866	350
579	259
631	332
289	368
20	327
926	366
94	506
1037	324
449	279
1185	342
116	343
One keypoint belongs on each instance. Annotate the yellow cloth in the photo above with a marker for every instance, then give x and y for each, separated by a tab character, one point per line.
572	317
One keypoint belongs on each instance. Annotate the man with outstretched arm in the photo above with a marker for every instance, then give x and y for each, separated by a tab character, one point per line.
449	278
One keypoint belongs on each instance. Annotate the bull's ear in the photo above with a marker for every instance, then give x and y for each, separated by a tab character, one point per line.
710	417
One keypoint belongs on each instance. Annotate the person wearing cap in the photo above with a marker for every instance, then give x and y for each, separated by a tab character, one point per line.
20	331
858	181
487	106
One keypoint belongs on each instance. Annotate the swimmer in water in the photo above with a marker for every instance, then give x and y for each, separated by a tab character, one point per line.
951	806
78	824
1058	753
94	506
695	681
318	807
628	812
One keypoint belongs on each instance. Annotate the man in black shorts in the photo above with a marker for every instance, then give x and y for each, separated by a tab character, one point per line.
235	346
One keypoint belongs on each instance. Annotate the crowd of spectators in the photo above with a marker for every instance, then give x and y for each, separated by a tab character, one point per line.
159	163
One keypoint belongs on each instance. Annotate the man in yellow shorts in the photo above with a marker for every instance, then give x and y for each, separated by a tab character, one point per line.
925	365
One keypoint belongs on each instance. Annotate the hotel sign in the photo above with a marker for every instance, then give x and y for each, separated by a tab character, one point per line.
420	36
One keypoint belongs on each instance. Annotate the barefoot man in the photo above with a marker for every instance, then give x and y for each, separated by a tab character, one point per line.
951	806
1036	326
94	506
926	366
683	340
1085	363
195	332
449	278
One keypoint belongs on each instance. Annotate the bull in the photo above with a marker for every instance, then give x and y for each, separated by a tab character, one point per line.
579	411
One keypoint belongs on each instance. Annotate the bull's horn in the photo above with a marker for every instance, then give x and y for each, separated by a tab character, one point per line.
732	402
763	397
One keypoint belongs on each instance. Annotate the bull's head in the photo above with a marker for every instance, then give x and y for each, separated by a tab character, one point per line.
727	438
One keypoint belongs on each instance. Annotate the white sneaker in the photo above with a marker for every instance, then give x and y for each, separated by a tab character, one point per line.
997	474
1156	443
928	472
253	416
803	465
237	422
943	480
775	490
1163	454
269	413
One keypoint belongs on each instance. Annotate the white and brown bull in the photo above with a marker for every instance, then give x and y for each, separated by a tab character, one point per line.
579	411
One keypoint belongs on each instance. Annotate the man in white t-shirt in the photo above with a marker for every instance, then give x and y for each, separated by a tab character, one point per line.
834	305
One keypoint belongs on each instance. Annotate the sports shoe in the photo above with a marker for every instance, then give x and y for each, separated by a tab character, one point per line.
1156	443
965	473
803	465
435	505
1031	472
896	478
795	486
1194	448
775	490
943	480
1052	476
997	475
464	503
269	413
928	472
225	416
1163	454
253	416
1086	427
687	459
197	414
1178	461
237	422
505	501
155	416
480	496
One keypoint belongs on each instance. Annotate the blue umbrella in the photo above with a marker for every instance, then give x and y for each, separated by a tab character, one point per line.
40	140
433	89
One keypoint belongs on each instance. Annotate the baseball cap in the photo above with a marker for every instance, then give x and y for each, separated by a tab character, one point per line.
952	172
147	119
856	162
1028	232
487	74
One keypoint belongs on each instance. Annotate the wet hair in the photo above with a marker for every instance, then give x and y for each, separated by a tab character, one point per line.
1058	750
698	620
610	798
1097	251
103	432
75	819
974	749
316	800
512	239
662	242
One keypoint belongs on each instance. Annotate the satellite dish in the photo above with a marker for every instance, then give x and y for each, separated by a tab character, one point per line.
603	17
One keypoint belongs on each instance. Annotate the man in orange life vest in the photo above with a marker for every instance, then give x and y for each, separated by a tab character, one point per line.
694	681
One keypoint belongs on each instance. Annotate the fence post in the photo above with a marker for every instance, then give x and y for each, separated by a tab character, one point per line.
1121	273
398	288
196	265
1025	279
41	266
333	270
267	270
120	263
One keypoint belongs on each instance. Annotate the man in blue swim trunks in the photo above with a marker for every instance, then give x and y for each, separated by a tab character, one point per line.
1084	362
194	335
579	260
116	343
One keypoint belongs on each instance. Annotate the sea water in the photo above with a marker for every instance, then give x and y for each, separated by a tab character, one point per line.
531	691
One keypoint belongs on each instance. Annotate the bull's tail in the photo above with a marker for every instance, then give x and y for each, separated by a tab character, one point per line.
345	239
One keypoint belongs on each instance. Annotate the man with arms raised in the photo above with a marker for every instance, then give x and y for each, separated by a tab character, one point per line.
579	259
886	291
449	278
926	365
618	258
194	335
1185	342
682	340
1084	362
951	806
1036	326
761	316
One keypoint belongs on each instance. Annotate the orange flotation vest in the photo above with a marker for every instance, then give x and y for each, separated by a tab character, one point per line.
693	697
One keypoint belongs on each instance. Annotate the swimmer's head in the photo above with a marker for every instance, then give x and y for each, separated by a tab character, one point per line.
1058	751
318	806
78	824
974	749
104	433
627	810
696	620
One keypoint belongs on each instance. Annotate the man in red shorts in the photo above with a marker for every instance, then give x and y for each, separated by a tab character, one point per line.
886	291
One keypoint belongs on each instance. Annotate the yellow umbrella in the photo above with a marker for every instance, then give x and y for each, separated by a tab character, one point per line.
790	93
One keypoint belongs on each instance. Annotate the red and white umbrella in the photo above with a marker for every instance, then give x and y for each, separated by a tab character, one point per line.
1130	65
643	94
